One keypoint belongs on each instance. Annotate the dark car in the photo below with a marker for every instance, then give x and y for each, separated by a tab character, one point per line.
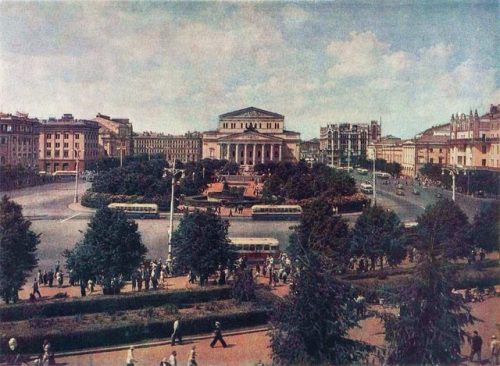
480	194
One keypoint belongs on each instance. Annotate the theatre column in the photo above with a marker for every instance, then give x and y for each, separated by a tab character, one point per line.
236	156
245	155
280	156
263	152
254	155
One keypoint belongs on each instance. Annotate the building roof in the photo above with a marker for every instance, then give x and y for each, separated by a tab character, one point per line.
251	112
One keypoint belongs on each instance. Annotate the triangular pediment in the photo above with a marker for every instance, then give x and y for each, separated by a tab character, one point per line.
252	136
251	112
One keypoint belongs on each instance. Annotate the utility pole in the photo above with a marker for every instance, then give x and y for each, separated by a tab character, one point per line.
348	152
173	171
76	152
373	175
454	172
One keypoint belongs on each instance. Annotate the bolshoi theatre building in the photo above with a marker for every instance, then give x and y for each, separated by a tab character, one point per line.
251	136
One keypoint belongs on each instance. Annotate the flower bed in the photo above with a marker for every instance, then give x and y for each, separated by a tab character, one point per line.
86	305
123	327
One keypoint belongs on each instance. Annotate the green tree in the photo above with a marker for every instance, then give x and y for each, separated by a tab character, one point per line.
378	233
200	244
429	327
322	232
17	249
486	227
443	230
310	325
111	247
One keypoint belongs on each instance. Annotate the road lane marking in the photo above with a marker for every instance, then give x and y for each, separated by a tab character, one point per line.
71	217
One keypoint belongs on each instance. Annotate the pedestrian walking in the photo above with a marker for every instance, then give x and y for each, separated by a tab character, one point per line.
45	278
50	278
176	333
476	345
495	350
172	360
139	281
192	357
91	285
48	354
218	336
13	356
134	281
35	288
59	277
131	361
230	213
83	288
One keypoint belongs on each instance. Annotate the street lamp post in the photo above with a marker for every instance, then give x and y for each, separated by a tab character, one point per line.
76	152
454	173
174	172
373	175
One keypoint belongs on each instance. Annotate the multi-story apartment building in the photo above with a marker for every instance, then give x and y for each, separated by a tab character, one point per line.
115	136
432	146
67	142
309	151
344	143
388	148
474	140
409	152
187	147
18	140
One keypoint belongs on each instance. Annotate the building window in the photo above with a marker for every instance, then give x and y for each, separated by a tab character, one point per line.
440	150
66	136
66	145
483	162
49	153
48	144
58	136
77	145
58	144
56	154
49	135
483	149
77	136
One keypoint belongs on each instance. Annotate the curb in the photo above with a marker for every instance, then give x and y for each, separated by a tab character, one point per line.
158	343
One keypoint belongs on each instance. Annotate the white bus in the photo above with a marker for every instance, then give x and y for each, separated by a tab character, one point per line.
362	171
366	188
276	212
255	249
139	210
382	175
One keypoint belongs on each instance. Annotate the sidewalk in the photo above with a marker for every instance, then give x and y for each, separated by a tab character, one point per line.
244	347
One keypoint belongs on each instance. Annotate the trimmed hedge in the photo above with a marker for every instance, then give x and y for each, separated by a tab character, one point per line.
98	199
106	303
124	334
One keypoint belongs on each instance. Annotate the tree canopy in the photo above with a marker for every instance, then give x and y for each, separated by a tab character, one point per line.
111	247
200	244
310	325
429	327
18	244
444	230
486	227
299	181
378	233
323	232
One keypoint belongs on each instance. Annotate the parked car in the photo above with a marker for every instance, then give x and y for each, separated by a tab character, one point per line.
416	192
400	192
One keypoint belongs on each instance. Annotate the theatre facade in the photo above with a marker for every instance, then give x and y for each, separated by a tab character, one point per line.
251	136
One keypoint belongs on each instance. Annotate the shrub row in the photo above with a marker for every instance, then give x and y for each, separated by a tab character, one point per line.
134	332
98	199
108	303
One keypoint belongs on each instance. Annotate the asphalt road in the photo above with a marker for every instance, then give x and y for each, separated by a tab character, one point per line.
409	206
61	228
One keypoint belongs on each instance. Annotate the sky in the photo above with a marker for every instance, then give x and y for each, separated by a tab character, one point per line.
176	66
